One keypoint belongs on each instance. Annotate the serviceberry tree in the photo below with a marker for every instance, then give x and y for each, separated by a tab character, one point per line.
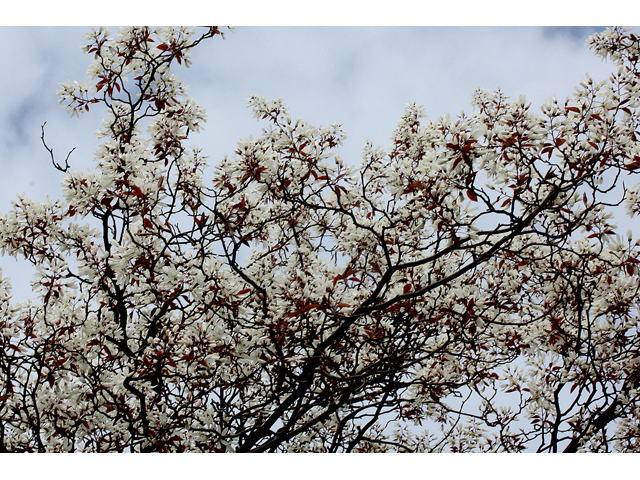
464	290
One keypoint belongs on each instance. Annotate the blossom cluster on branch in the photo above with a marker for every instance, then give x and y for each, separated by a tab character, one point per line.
464	290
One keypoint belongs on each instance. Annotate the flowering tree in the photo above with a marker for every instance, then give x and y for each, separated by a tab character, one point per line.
465	290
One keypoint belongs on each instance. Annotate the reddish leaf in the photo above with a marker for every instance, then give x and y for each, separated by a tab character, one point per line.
374	332
472	196
242	292
407	288
412	187
200	220
136	191
635	164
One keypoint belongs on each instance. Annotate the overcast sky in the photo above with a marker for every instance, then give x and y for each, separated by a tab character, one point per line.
361	77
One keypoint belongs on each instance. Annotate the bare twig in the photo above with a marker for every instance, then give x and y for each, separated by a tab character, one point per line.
50	150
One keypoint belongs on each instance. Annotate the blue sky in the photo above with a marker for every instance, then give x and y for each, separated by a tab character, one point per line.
361	77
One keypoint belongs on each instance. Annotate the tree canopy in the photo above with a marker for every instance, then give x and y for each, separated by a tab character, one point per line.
465	289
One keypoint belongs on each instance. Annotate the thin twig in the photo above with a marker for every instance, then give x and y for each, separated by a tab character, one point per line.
50	150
